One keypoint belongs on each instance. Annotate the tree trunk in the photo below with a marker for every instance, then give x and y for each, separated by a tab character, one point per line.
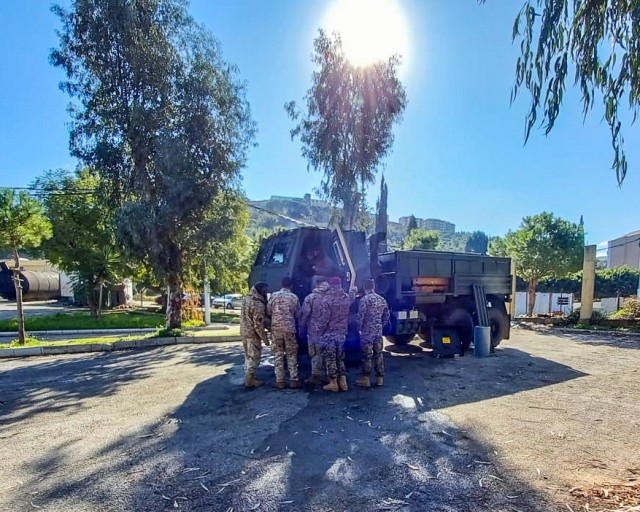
174	300
22	339
532	296
174	303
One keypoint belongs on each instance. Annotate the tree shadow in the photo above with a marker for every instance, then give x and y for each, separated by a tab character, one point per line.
226	447
62	384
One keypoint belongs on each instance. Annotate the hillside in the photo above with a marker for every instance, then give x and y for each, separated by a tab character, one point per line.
319	213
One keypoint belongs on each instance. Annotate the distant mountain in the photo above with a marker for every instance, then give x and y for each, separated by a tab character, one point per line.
319	213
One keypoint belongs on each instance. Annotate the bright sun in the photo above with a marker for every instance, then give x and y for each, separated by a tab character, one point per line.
371	30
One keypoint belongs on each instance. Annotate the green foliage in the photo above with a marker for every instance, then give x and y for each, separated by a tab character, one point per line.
80	321
610	282
164	121
630	310
171	333
477	243
454	242
422	239
545	246
83	241
413	224
497	247
347	127
598	42
23	222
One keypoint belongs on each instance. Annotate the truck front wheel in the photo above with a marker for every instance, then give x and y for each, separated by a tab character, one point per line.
400	339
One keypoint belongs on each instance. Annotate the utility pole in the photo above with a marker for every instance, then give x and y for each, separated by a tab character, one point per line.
207	297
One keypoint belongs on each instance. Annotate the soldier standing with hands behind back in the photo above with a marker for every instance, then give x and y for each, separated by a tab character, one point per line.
283	308
334	321
254	310
373	315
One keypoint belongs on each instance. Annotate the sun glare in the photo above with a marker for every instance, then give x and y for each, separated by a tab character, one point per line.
371	30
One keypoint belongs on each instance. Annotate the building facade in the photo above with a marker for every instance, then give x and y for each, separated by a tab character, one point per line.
624	250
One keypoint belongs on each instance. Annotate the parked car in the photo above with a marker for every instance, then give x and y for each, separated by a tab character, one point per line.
229	301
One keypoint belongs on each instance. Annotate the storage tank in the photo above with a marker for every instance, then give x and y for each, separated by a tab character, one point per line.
36	285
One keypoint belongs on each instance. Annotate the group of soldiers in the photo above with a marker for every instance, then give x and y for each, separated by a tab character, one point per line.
324	319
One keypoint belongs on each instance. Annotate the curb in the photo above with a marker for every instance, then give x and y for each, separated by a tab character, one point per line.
6	353
569	330
62	332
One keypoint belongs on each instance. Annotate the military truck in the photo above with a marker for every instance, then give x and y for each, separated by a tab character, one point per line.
424	289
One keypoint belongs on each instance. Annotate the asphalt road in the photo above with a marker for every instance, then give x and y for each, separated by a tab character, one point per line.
49	307
174	429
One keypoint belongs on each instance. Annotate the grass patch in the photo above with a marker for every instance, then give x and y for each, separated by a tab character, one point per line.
83	321
109	320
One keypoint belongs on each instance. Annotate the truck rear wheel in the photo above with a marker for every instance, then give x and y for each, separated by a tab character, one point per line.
400	339
499	324
462	320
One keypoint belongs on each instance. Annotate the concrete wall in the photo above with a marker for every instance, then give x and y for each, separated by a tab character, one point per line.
546	303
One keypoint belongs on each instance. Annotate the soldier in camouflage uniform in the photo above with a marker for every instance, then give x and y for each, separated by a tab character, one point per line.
373	315
252	316
334	321
283	308
309	316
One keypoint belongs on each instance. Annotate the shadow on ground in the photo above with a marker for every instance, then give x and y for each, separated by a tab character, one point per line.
228	448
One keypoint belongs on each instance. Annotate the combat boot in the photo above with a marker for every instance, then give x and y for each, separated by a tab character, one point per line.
379	380
295	384
250	381
280	384
364	382
332	386
342	383
314	380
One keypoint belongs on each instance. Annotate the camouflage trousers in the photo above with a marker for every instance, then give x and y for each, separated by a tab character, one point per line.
284	344
372	351
333	355
252	352
315	354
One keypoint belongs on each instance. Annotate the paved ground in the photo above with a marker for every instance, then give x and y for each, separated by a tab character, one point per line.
48	307
173	429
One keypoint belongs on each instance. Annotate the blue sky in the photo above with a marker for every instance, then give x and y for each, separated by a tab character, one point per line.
459	151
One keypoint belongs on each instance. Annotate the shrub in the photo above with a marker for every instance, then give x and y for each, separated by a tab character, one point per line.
630	311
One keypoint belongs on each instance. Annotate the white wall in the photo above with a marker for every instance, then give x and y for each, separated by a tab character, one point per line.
546	303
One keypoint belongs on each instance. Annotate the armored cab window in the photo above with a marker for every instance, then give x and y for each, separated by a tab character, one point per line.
279	254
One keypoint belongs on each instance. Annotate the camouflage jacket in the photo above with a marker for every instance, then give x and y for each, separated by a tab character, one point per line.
334	312
252	315
373	315
309	314
283	308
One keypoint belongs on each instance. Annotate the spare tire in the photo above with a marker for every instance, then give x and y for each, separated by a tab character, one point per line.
461	319
499	324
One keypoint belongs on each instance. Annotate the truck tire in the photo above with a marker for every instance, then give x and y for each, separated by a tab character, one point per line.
461	319
499	323
400	339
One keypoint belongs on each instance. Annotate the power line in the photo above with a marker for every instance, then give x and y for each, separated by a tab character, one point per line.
43	192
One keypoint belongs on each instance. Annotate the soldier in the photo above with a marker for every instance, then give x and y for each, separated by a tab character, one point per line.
334	321
283	308
252	316
373	315
309	316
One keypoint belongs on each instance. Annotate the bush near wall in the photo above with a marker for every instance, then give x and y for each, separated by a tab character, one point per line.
610	282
